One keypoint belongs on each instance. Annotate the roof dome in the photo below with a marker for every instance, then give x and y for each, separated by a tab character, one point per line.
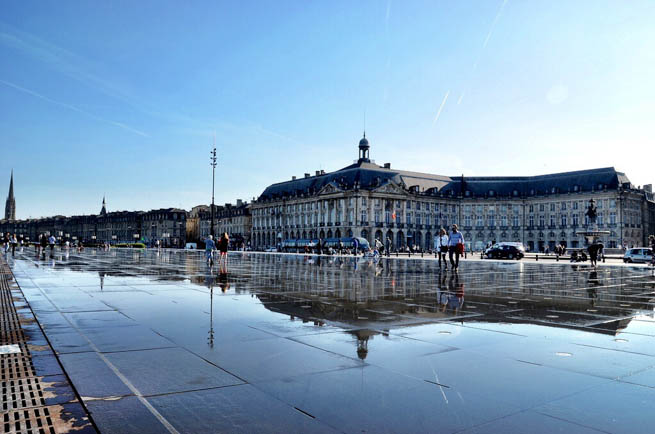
364	141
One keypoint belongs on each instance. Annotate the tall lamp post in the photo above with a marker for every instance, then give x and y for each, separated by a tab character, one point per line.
212	160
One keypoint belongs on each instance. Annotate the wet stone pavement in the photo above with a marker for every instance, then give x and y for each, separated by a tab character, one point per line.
158	342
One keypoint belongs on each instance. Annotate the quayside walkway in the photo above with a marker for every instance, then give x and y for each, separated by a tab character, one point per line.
36	395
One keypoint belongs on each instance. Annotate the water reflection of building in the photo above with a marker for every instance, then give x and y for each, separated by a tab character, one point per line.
411	292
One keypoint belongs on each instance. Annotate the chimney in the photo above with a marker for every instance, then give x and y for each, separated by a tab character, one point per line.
318	172
307	175
293	178
322	172
648	188
239	202
387	165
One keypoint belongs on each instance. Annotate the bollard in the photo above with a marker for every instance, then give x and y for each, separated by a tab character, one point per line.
557	258
435	255
536	257
396	253
603	259
421	253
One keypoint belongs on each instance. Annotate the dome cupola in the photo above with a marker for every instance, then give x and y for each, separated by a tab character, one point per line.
363	149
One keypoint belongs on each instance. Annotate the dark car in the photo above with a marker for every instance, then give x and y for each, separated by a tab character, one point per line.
505	251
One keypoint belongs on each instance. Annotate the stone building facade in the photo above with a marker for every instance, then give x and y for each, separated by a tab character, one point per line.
166	225
235	219
404	208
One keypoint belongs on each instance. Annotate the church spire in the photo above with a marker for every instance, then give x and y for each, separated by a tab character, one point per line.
11	185
103	211
10	204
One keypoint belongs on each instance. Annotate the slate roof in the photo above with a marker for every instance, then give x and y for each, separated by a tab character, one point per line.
369	176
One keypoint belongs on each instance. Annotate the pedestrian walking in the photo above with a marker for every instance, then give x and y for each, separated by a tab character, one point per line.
210	246
223	245
455	247
43	242
379	247
14	243
51	241
441	246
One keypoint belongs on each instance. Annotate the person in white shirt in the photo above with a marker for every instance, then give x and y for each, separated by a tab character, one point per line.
456	238
441	246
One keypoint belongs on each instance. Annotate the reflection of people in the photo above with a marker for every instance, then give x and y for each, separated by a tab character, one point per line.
456	298
223	282
102	278
591	290
453	299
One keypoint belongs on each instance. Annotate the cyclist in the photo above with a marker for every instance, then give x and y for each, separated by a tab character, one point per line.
210	246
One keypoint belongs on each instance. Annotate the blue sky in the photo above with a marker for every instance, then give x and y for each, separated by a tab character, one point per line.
123	98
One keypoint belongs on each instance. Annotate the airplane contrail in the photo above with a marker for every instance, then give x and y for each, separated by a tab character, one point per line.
493	24
443	103
72	107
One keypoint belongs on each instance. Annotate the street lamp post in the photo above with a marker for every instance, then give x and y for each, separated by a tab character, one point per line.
212	160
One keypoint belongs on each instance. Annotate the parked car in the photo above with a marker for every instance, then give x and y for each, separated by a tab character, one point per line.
270	249
505	251
638	254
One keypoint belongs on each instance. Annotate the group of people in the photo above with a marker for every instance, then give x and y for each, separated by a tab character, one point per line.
222	247
9	241
451	244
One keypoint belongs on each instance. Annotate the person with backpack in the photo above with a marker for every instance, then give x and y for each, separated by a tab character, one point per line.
455	247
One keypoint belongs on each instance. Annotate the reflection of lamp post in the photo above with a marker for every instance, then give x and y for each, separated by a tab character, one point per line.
210	339
136	237
113	237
